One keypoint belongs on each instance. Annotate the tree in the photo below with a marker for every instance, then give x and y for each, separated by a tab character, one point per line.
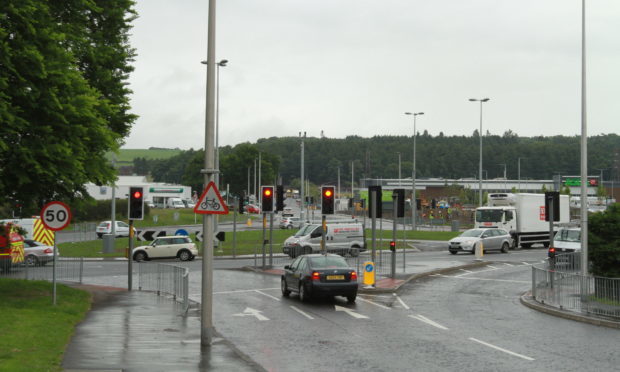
604	242
57	124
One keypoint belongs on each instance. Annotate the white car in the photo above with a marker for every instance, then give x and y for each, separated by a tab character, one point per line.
567	239
105	227
178	246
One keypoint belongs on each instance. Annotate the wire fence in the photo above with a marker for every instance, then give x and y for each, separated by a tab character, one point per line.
559	283
68	269
165	279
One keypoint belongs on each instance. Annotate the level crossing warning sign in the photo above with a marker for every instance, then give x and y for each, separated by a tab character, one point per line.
211	201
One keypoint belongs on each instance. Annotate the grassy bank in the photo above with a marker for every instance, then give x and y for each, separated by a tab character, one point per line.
246	242
35	333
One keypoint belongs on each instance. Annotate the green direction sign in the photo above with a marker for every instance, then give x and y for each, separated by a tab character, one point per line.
166	190
576	181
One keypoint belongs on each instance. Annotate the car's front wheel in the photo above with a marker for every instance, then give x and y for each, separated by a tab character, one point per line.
184	255
285	290
290	227
453	252
139	256
505	247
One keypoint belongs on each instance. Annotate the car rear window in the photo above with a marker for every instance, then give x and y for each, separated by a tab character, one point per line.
327	262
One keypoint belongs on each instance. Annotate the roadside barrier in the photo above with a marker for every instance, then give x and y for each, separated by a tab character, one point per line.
167	279
559	283
68	269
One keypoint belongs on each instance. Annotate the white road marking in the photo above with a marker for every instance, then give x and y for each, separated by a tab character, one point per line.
507	264
252	312
501	349
350	312
401	302
302	313
428	321
265	294
527	264
245	290
486	279
374	303
493	267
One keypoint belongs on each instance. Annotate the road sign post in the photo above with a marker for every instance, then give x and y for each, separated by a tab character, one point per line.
55	216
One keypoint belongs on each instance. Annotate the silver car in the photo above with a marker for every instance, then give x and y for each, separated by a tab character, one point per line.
490	239
36	253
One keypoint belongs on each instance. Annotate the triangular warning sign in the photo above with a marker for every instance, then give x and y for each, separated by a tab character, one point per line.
211	202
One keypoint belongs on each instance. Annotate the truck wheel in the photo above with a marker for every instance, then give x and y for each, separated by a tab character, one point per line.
546	245
505	247
354	251
526	245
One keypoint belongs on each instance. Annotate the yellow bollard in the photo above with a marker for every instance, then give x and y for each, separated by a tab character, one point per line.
249	223
369	273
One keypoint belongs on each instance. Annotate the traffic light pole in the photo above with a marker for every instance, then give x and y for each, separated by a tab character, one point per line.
130	258
393	266
270	239
264	235
324	228
373	200
234	242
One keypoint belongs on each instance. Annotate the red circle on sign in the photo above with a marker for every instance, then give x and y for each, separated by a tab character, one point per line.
56	215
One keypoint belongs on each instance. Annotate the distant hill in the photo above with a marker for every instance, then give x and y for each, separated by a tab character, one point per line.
126	156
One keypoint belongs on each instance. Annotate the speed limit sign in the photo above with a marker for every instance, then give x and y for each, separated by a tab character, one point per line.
56	215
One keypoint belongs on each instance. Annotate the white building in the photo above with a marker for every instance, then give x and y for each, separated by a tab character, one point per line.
154	192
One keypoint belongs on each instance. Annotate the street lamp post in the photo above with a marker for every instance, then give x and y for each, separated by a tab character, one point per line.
303	181
505	187
219	64
414	203
399	174
519	171
480	135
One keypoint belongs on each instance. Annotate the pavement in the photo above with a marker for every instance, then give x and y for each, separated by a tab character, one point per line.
140	331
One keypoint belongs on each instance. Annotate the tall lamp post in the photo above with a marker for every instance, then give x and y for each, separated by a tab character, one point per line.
414	203
399	174
519	171
480	135
219	64
302	179
505	181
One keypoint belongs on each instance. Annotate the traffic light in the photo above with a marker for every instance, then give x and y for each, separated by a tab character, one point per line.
552	200
136	203
433	203
240	205
350	202
393	246
400	202
371	203
327	199
266	198
279	198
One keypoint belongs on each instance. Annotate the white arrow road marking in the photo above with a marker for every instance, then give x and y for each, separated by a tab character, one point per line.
401	302
252	312
265	294
428	321
302	313
374	303
350	312
500	349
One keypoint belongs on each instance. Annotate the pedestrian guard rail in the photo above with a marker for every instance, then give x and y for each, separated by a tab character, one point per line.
559	283
164	279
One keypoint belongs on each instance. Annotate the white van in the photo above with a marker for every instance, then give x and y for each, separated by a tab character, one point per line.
176	203
567	239
341	238
25	223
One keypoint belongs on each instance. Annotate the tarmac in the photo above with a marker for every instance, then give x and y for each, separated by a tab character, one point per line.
140	331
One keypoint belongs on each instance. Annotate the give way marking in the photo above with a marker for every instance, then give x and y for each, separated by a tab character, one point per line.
350	312
424	319
252	312
501	349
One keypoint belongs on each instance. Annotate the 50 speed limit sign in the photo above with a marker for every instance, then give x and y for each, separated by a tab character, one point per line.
56	215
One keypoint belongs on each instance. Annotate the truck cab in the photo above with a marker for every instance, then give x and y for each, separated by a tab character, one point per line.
499	217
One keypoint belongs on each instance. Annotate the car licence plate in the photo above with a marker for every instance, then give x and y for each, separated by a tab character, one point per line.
335	277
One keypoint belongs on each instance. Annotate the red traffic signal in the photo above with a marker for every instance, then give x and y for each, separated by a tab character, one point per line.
137	194
392	246
267	198
136	203
327	200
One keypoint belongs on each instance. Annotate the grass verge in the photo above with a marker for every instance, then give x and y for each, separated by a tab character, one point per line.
34	333
247	242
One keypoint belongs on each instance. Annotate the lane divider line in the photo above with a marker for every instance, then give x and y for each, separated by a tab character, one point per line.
501	349
245	290
302	313
428	321
401	302
374	303
265	294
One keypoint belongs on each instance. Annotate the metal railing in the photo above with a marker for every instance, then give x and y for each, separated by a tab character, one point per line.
165	279
68	269
559	283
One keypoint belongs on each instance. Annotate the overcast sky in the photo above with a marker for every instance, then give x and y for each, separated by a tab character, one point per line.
353	67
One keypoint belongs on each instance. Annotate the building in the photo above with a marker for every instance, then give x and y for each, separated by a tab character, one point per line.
154	192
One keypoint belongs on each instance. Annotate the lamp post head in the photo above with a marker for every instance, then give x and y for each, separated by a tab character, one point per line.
419	113
484	99
408	113
223	62
481	100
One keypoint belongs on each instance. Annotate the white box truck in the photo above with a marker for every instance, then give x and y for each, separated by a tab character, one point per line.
340	238
523	215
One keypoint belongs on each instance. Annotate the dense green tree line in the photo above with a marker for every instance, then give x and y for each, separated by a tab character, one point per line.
377	157
63	96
